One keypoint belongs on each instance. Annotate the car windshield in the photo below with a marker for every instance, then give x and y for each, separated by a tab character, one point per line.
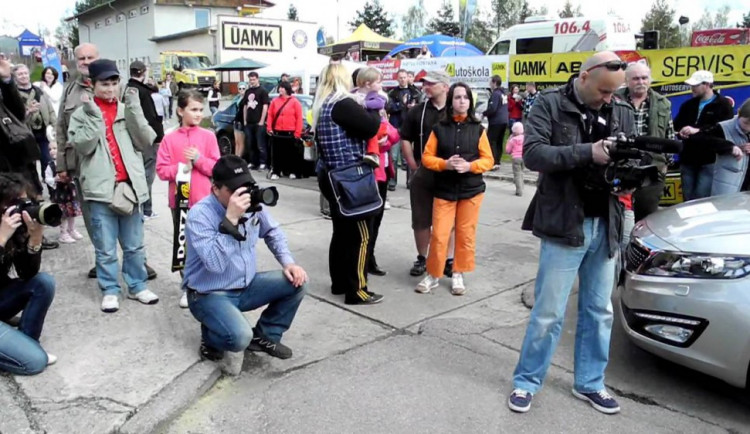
194	62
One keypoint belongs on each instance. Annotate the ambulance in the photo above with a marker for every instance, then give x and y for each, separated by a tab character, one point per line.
537	35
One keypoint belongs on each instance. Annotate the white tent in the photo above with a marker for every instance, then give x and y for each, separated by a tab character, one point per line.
308	69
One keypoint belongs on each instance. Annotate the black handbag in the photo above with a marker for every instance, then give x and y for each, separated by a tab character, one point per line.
355	190
22	142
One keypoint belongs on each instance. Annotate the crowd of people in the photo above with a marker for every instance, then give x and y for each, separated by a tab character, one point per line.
100	142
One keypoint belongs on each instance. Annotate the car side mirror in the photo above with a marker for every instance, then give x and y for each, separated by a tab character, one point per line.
176	67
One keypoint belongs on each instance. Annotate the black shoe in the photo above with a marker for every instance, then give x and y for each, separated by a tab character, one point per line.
419	267
92	273
376	271
150	272
49	245
208	353
391	187
275	349
448	270
364	297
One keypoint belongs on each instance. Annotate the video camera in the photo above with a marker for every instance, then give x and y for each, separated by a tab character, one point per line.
268	196
631	166
48	214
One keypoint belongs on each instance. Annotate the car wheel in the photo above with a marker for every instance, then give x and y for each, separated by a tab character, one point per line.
226	146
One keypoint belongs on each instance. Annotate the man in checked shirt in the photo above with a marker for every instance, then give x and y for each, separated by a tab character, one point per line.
653	117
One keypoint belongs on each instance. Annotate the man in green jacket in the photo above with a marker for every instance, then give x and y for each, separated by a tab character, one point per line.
653	117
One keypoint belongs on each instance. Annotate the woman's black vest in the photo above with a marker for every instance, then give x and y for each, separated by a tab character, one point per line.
462	139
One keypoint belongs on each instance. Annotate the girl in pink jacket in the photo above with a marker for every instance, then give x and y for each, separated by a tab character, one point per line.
193	146
514	148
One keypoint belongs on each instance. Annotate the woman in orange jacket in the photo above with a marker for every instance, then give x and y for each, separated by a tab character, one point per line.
459	151
284	125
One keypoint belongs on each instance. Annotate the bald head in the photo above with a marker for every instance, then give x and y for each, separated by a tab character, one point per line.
85	54
638	79
597	82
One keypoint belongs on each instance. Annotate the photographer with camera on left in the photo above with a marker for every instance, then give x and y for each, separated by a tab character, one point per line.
221	276
579	221
31	292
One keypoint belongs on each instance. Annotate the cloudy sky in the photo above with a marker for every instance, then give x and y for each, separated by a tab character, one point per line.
46	13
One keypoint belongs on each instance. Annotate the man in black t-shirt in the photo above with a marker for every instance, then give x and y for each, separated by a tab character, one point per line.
251	114
415	130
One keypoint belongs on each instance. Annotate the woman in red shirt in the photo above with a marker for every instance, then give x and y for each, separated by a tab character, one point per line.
284	125
515	106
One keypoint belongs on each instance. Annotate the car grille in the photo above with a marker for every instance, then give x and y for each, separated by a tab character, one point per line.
209	81
635	255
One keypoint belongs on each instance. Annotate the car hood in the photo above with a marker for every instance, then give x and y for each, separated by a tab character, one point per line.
718	224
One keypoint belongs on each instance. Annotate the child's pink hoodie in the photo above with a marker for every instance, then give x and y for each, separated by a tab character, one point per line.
171	153
514	147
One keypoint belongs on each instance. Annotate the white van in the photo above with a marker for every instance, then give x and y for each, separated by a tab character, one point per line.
549	35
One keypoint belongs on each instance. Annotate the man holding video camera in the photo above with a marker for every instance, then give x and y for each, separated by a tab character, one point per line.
220	270
579	221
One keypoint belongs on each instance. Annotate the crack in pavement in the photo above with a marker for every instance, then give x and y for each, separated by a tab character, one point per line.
23	401
96	401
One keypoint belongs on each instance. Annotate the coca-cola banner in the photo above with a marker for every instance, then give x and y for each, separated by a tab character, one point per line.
703	38
476	71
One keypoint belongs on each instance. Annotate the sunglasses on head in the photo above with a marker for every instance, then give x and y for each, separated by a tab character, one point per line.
612	65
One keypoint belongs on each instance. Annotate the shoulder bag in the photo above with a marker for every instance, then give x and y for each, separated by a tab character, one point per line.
20	138
355	190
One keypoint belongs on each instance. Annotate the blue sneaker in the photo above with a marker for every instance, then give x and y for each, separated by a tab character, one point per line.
520	401
601	401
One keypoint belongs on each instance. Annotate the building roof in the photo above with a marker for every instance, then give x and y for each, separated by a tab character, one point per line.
193	32
252	5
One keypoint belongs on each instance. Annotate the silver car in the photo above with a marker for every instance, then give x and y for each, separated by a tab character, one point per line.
686	296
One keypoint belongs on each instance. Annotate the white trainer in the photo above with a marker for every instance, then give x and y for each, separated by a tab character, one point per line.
457	287
66	238
110	303
145	297
51	359
427	284
183	300
387	205
274	177
292	176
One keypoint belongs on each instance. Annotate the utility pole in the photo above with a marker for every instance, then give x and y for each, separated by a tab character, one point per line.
338	14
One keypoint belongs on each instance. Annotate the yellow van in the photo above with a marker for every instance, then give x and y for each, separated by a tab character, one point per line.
188	69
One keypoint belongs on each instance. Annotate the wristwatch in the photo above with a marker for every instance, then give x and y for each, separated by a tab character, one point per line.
34	249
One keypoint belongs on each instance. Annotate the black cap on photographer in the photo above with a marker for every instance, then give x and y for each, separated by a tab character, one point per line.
232	171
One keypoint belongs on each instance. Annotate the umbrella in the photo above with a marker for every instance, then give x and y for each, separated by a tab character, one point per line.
241	64
439	46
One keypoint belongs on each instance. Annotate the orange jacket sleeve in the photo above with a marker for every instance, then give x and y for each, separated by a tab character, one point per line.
430	159
486	160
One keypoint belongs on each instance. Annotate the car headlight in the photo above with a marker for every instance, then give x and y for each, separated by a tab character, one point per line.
191	77
691	265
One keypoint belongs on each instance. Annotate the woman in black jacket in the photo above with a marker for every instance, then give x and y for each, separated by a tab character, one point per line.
342	127
31	292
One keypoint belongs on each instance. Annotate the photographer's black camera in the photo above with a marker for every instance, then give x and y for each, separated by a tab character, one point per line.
48	214
268	196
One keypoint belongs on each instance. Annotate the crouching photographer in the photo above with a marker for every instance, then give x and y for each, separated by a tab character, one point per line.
220	271
580	226
31	292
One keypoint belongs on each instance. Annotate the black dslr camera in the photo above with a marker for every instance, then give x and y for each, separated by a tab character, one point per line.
631	166
48	214
268	196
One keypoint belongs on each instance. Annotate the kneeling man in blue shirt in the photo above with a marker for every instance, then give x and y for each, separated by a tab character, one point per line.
220	270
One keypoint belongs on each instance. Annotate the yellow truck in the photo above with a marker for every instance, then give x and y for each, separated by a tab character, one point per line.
188	69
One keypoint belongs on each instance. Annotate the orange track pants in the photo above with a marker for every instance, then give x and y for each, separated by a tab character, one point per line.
464	215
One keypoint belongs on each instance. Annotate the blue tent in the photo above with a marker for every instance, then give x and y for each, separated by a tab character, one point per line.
27	41
439	46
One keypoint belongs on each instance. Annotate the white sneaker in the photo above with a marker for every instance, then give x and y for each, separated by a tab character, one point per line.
183	300
427	284
274	177
145	297
76	235
262	167
66	238
457	287
387	204
51	359
292	176
110	303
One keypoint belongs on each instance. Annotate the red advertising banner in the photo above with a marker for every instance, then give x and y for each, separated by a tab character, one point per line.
702	38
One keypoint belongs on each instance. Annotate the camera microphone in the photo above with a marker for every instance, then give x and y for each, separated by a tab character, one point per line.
654	144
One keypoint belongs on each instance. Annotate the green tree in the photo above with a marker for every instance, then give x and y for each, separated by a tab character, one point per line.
66	32
481	32
745	24
414	21
506	13
568	11
291	14
719	20
445	23
661	17
374	17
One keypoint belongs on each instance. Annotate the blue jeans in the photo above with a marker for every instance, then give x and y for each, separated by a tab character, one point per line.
223	327
19	354
149	165
107	227
696	181
256	147
558	266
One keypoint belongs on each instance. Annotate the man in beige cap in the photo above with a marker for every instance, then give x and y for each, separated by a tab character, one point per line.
415	130
705	109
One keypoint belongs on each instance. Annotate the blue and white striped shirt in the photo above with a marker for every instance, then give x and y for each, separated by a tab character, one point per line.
218	262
